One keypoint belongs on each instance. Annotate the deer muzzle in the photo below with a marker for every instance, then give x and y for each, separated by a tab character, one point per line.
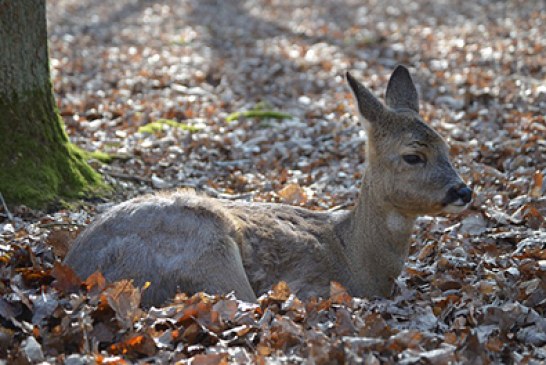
457	198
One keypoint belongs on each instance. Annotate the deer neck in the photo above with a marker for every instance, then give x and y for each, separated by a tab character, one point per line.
376	238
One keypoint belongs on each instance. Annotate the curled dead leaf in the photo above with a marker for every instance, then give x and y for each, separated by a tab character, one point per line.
293	194
427	251
280	291
66	279
227	309
32	276
536	189
339	294
124	299
375	326
210	359
95	283
134	346
60	241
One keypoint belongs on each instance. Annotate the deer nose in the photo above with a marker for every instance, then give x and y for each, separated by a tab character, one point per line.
465	193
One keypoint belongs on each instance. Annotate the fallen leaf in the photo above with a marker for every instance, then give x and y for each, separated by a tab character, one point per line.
227	309
536	189
375	326
95	283
473	225
293	194
61	240
210	359
124	299
280	292
66	279
339	294
134	346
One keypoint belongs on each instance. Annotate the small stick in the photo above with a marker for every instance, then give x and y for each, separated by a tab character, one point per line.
10	216
51	225
123	176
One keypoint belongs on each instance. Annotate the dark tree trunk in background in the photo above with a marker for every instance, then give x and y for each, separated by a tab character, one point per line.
37	162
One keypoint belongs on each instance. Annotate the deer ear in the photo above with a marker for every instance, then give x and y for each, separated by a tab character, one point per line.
401	92
368	105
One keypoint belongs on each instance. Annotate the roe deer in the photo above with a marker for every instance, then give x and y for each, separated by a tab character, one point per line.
187	242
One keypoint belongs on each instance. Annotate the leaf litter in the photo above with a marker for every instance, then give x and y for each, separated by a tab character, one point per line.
474	287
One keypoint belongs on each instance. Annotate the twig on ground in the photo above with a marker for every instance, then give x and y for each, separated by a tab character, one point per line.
217	194
123	176
60	224
8	213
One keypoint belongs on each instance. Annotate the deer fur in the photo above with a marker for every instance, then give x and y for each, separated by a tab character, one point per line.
187	242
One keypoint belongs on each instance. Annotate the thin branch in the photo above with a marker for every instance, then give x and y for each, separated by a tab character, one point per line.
123	176
8	213
60	224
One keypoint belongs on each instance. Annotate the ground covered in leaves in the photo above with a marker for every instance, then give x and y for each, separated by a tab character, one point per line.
246	100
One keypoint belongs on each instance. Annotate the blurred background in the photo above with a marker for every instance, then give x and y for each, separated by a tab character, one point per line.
154	84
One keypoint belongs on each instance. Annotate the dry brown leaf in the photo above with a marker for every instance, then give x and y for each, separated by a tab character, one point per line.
192	333
95	283
66	279
451	338
293	194
226	308
124	299
533	217
344	323
536	189
210	359
264	349
33	276
280	291
427	251
339	294
61	240
102	360
405	339
375	326
285	334
495	344
134	346
196	308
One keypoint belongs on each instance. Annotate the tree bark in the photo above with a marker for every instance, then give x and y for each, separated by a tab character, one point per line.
37	162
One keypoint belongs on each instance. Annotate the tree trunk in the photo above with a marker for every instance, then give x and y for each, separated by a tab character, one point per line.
37	162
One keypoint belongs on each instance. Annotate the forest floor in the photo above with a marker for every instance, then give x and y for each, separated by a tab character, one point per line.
153	84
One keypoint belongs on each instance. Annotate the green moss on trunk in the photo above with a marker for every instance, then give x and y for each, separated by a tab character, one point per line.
38	164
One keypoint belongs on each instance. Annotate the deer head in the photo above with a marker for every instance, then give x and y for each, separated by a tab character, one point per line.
408	162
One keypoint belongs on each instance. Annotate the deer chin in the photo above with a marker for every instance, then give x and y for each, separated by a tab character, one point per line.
417	211
457	206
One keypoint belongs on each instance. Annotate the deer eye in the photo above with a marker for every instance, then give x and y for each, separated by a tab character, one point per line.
413	159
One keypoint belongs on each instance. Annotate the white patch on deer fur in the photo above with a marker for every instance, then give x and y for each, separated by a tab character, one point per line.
455	207
396	222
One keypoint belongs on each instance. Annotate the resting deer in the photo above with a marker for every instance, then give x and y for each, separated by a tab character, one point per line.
184	241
